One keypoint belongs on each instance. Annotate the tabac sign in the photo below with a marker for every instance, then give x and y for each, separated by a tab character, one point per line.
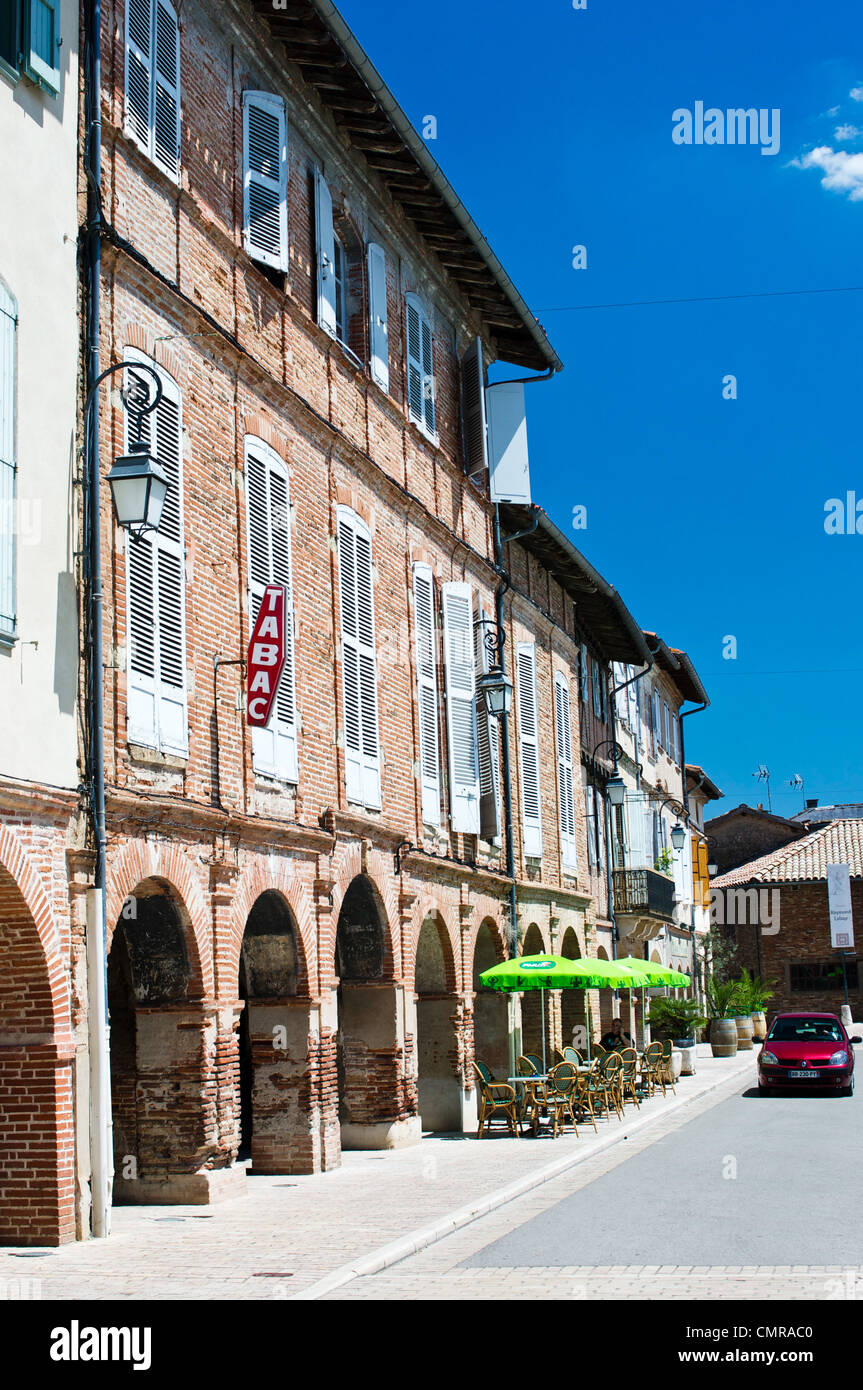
266	656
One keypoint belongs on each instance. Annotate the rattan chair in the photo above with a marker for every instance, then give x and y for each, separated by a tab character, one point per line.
572	1055
666	1066
496	1098
561	1094
651	1068
610	1067
628	1076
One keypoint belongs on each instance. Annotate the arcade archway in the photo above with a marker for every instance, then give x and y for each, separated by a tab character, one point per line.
439	1086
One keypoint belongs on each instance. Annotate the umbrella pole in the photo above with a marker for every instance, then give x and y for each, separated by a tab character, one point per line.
542	1005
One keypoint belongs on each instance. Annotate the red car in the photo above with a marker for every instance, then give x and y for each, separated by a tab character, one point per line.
807	1050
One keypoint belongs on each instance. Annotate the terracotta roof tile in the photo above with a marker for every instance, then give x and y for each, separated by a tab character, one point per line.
806	860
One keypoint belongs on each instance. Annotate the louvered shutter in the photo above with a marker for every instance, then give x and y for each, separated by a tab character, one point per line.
166	90
528	743
378	320
427	705
488	736
590	803
421	402
42	54
597	697
139	50
326	250
265	179
8	325
565	774
157	698
632	701
457	604
274	749
583	673
359	665
473	409
635	830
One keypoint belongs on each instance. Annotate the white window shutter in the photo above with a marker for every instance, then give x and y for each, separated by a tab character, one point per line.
583	673
457	603
590	805
597	695
379	330
427	703
420	366
42	48
565	772
265	179
326	249
157	707
166	90
508	459
528	743
359	664
473	409
139	66
488	735
274	749
8	326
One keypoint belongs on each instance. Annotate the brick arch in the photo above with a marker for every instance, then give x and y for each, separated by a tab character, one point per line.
258	878
138	861
449	945
384	896
16	862
259	427
136	335
532	927
498	936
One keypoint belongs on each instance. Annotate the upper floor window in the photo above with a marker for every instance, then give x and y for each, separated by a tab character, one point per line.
265	179
565	770
420	368
30	41
461	711
153	82
156	705
379	357
8	328
359	661
528	747
274	749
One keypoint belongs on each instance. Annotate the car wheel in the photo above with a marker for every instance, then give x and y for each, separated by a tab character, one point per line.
849	1089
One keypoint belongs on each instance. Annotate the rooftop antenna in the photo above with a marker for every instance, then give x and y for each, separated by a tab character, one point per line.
797	783
763	775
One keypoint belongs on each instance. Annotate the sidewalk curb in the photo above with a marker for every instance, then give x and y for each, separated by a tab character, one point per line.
400	1249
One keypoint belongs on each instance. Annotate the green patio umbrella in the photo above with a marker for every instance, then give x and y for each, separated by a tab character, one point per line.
654	976
523	973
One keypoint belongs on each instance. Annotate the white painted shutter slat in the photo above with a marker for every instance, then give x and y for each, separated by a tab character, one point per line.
265	174
379	322
141	703
166	90
359	665
415	363
326	249
457	606
427	702
473	409
528	742
139	47
565	774
487	746
429	409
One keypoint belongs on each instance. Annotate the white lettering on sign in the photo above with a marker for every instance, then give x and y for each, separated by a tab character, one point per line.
266	658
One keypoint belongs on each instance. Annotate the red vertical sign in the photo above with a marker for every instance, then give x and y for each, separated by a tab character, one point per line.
266	656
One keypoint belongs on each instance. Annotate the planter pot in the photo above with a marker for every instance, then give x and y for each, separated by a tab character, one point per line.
743	1023
687	1061
674	1067
684	1042
759	1024
723	1037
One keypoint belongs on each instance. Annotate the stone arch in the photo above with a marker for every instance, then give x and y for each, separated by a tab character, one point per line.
573	1002
429	911
385	902
606	1000
16	862
139	862
535	1004
438	1028
490	1007
37	1185
260	877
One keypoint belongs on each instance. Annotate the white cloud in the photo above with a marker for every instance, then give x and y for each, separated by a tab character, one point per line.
843	172
847	132
856	94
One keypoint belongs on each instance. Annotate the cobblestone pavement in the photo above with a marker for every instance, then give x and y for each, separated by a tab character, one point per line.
290	1233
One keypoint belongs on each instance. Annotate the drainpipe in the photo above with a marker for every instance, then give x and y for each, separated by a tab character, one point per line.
696	710
101	1141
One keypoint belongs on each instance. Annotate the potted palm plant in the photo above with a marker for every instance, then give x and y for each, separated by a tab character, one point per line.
677	1019
757	993
722	1006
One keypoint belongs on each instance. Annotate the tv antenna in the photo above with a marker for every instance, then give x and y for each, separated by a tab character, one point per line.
763	775
797	784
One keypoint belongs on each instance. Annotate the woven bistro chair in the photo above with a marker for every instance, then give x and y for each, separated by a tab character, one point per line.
629	1076
497	1098
536	1062
572	1055
610	1067
666	1066
535	1092
561	1094
584	1095
651	1061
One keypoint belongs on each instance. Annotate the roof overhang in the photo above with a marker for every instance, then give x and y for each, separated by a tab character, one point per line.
598	606
679	667
698	780
318	41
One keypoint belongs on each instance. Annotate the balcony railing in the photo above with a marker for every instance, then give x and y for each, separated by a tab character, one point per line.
643	893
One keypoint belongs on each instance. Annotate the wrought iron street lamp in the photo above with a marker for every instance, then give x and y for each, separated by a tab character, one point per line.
678	836
139	486
615	790
494	685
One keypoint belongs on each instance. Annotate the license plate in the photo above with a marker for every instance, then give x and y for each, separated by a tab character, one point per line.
804	1075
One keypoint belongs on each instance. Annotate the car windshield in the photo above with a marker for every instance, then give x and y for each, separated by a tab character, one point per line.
805	1030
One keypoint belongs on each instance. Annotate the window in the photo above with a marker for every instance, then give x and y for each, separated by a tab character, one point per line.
30	41
378	319
565	773
420	368
656	728
341	279
668	744
274	749
528	745
822	976
473	410
8	329
583	673
590	805
427	704
265	179
488	735
329	268
597	689
359	661
458	638
153	82
156	583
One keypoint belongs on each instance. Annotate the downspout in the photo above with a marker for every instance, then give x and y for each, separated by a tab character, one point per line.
101	1140
696	710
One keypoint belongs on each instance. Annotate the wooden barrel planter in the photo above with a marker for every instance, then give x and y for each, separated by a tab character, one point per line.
743	1023
723	1037
759	1024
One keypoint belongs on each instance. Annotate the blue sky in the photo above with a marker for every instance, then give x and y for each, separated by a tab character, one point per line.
554	125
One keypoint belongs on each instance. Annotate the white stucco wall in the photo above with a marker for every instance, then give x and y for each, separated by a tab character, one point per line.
38	217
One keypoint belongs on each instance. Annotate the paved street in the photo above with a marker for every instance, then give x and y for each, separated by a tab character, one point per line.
291	1233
